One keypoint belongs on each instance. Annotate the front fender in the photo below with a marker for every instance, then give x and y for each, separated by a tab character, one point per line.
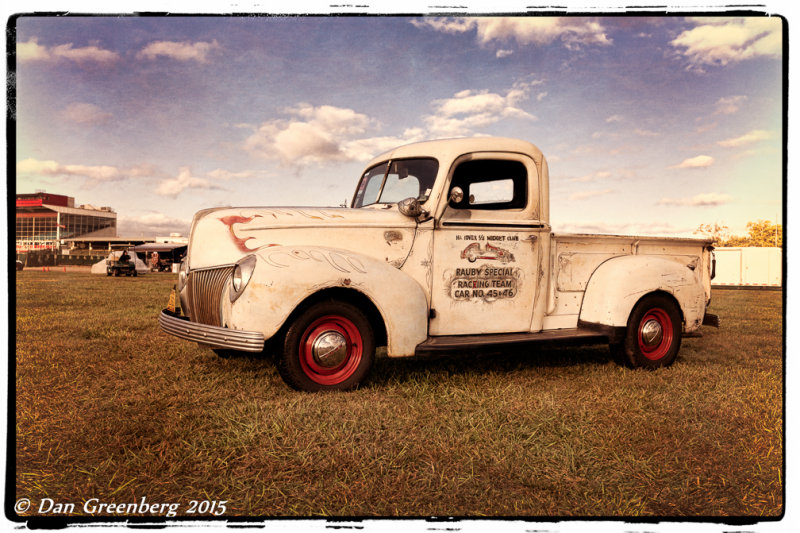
617	284
285	276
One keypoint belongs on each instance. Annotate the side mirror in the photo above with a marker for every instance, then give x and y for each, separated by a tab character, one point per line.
410	207
456	195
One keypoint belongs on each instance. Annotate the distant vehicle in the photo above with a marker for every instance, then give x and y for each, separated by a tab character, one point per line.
122	265
20	266
160	257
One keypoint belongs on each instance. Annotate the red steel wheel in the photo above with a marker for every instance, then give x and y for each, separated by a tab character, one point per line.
653	336
330	350
328	346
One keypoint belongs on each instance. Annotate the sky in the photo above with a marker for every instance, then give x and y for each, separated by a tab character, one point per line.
650	125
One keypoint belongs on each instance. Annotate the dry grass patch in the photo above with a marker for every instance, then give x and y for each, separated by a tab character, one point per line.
109	407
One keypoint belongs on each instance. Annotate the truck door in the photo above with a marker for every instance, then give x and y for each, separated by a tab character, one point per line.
487	247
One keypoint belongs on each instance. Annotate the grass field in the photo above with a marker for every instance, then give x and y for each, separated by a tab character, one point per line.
108	407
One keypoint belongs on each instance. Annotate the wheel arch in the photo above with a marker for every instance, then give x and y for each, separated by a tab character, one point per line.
351	296
619	284
666	294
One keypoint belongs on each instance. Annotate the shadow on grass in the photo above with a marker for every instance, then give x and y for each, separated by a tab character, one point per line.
507	360
410	369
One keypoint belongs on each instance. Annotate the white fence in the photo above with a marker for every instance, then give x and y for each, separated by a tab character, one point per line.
748	267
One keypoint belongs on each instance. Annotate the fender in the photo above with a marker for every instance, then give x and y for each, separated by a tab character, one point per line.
284	276
617	284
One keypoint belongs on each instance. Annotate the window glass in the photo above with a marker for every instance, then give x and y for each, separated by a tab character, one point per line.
491	184
370	185
491	192
396	180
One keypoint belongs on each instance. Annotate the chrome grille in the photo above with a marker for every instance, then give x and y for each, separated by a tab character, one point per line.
205	289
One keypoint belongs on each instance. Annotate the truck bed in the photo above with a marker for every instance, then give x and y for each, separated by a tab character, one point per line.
576	256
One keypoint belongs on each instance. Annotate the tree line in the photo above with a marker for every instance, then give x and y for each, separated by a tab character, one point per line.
761	233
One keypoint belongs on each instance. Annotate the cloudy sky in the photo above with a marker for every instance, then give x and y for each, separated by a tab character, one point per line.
650	125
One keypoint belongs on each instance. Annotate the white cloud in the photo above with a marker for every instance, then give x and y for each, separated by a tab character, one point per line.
615	118
646	133
727	105
83	113
93	173
503	53
320	134
314	135
751	137
184	180
719	41
701	161
364	149
584	195
180	51
572	32
540	96
35	166
657	229
151	224
33	51
594	176
469	110
700	200
702	128
226	175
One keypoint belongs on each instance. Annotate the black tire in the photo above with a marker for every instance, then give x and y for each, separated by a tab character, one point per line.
116	273
321	327
135	274
653	335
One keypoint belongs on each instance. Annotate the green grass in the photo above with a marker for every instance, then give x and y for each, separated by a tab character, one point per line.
109	407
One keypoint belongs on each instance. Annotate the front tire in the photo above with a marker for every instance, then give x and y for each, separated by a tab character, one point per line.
329	346
653	335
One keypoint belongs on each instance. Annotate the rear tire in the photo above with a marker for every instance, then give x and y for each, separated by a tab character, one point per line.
329	346
653	335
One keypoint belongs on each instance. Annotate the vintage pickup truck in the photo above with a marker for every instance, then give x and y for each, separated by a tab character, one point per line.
447	245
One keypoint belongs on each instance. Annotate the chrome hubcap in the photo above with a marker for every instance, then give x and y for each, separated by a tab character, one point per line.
652	332
329	349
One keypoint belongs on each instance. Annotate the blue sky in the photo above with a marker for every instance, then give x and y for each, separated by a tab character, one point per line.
651	125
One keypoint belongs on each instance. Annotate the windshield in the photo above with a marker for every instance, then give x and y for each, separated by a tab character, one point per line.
392	181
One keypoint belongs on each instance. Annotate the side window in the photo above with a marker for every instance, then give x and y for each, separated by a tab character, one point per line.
491	184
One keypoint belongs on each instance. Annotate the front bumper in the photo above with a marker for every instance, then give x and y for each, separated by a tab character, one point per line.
214	336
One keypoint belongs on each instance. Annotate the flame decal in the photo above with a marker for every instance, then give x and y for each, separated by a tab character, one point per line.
238	241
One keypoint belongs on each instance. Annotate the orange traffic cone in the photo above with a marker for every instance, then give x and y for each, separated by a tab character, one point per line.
65	269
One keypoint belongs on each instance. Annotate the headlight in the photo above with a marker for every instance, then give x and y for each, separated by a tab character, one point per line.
182	276
242	273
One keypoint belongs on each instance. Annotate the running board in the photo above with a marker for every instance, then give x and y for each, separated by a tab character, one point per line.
445	343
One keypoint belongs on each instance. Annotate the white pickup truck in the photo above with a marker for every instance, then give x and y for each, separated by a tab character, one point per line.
447	245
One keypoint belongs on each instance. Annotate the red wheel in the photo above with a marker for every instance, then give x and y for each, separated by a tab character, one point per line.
330	350
653	335
329	346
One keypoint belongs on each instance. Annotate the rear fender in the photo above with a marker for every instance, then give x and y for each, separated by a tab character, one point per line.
285	276
617	284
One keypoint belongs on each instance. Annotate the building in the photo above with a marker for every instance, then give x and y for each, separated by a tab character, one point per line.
44	220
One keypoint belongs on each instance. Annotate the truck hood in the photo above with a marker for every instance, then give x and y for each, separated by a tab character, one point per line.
224	235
